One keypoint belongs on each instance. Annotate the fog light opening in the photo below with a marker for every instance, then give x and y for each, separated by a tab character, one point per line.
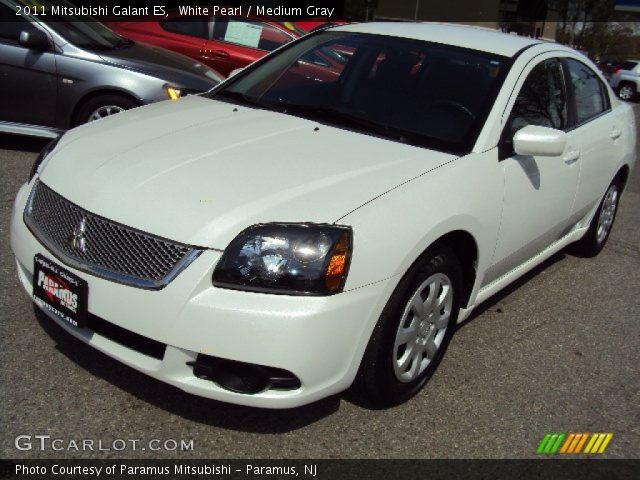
240	377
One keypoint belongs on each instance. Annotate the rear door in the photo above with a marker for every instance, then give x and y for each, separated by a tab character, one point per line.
597	129
185	35
28	77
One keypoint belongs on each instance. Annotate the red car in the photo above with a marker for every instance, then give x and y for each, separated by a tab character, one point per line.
222	42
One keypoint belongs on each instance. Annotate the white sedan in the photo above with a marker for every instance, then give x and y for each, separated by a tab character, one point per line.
326	216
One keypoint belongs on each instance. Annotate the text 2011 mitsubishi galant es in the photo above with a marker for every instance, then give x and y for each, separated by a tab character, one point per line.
277	239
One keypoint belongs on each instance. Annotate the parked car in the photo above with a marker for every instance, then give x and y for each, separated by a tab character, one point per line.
625	79
273	241
222	42
61	72
608	67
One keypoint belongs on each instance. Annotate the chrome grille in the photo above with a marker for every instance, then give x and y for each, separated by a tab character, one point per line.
103	247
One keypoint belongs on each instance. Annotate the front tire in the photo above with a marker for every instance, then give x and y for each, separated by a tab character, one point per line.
413	331
601	224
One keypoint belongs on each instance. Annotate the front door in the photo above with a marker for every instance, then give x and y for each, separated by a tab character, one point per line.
539	192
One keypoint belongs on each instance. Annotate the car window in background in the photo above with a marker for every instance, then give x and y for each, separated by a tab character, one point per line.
193	27
249	33
628	65
84	32
11	25
404	90
328	58
589	91
542	100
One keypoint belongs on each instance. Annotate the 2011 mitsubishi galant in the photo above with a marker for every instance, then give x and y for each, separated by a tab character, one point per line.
282	236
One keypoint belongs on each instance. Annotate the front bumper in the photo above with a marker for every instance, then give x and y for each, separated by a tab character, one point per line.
319	339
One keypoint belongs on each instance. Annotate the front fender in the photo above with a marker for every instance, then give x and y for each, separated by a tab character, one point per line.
391	232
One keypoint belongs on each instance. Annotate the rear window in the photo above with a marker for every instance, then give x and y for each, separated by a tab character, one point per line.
628	65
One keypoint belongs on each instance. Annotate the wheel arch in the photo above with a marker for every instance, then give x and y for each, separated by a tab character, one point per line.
73	121
465	247
623	176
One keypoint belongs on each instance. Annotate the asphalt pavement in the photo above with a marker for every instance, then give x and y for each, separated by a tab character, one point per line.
556	352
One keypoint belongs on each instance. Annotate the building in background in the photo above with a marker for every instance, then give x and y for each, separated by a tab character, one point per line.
532	18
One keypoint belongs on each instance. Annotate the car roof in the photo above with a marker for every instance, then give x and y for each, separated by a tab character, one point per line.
466	36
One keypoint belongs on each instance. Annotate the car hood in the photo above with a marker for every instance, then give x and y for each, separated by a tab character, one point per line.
158	62
199	171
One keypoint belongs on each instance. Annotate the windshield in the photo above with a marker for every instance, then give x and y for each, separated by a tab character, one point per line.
91	35
431	95
81	31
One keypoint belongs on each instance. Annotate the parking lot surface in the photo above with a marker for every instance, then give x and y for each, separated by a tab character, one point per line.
556	352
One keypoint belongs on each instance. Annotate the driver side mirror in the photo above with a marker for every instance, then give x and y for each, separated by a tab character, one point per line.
539	141
34	40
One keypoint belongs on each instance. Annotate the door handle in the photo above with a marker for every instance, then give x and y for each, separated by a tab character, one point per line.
571	157
220	53
615	134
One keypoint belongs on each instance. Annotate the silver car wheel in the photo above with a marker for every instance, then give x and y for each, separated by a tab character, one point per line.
626	92
607	213
422	328
105	111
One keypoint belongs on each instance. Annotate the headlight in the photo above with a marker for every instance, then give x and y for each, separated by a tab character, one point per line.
294	259
43	154
173	93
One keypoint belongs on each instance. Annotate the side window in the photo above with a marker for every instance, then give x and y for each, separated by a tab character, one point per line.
590	94
11	25
191	27
249	33
542	100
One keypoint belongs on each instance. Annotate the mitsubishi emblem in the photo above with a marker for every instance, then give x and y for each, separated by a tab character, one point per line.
78	240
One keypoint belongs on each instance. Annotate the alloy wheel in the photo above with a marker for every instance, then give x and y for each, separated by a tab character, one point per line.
626	92
105	111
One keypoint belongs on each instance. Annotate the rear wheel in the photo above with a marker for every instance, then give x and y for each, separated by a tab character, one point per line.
413	331
103	106
627	91
600	228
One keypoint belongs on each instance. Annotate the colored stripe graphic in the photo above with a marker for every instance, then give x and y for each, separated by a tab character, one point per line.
594	437
543	444
607	439
572	443
550	443
575	442
567	443
556	445
598	442
581	443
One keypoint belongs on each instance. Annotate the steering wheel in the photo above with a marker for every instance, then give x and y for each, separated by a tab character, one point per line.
456	105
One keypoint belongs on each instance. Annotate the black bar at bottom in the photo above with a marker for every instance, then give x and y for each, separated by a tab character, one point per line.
582	469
